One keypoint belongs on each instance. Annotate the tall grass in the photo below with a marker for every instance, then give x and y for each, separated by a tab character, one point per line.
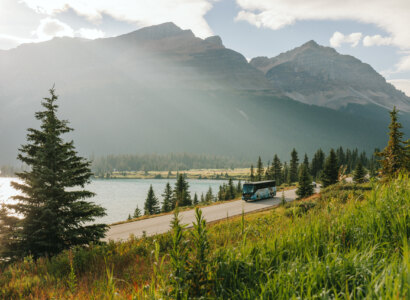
351	242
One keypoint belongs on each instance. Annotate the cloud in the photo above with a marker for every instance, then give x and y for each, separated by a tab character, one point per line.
339	38
402	84
404	64
391	16
50	28
188	14
377	40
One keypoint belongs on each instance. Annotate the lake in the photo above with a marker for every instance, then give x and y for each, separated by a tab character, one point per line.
120	197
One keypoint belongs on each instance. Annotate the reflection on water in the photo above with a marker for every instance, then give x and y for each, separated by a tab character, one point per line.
121	196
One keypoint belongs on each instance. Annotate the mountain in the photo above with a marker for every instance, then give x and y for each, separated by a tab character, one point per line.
161	89
319	75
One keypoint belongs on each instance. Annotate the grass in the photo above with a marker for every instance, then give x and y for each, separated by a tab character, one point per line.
351	242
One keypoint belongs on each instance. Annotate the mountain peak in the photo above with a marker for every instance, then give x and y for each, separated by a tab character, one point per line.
160	31
310	44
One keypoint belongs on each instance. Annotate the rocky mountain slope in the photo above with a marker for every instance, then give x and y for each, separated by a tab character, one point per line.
319	75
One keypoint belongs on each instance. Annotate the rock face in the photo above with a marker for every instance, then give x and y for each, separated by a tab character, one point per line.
319	75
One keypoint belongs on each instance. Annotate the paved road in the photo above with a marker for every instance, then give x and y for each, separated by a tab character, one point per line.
212	213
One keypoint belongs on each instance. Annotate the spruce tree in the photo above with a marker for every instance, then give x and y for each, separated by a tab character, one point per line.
306	162
293	168
151	206
137	212
359	173
331	171
55	213
196	201
276	170
285	173
259	170
167	203
209	196
8	227
181	192
231	189
317	163
239	188
252	177
394	156
305	188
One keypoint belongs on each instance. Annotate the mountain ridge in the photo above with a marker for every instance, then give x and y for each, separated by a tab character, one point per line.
164	90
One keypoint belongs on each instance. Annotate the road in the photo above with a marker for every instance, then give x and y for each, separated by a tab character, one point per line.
161	224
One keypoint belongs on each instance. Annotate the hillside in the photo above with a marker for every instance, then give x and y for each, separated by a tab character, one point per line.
161	89
319	75
349	242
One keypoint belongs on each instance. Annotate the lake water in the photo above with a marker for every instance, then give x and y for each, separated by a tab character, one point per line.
120	197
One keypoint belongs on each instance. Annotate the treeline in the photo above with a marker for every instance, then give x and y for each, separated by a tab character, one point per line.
180	196
345	161
163	162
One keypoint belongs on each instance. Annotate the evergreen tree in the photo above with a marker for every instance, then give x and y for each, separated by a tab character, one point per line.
331	171
285	173
209	197
276	170
317	163
55	214
231	189
340	156
259	170
359	173
394	156
196	201
137	213
167	203
181	192
202	198
252	177
239	188
8	227
306	162
305	188
293	167
151	206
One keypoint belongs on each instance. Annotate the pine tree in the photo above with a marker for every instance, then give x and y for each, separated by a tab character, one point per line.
394	156
293	168
231	189
8	227
305	188
196	201
182	196
285	173
331	170
276	170
239	188
259	170
55	214
359	173
137	212
317	163
306	162
151	206
252	177
209	197
202	198
167	203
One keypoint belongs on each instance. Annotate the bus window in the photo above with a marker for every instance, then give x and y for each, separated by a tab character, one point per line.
248	188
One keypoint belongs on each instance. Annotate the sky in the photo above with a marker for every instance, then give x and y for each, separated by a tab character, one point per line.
375	31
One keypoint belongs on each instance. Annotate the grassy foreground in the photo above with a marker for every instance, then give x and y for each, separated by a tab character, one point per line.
351	242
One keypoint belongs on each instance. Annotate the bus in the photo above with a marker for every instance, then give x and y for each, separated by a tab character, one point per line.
259	190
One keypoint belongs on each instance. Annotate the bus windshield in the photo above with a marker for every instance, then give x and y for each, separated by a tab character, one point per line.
248	188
